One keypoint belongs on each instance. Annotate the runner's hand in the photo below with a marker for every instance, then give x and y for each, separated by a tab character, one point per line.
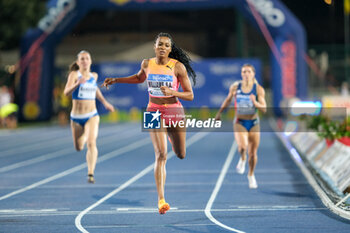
166	90
109	107
108	82
252	98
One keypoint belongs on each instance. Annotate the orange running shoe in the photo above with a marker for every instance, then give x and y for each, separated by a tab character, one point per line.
163	207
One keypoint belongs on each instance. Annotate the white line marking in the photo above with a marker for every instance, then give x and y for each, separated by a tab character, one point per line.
47	144
216	190
45	133
107	156
152	226
21	211
149	168
139	209
276	207
35	160
34	146
32	213
60	153
144	185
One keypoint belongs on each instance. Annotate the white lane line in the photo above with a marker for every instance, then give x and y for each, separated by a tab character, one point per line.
216	190
5	213
47	144
34	146
144	185
59	153
149	168
21	211
152	226
12	139
47	131
36	160
105	157
139	209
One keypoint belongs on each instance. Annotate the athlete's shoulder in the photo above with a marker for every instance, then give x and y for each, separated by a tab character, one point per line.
94	74
180	69
73	74
260	89
145	63
178	64
233	88
235	85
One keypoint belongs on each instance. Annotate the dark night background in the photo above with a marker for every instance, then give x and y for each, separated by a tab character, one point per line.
220	32
323	23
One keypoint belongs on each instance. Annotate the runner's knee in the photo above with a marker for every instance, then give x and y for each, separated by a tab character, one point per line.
91	144
161	155
242	149
252	154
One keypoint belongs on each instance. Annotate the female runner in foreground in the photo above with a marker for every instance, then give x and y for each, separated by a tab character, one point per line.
164	73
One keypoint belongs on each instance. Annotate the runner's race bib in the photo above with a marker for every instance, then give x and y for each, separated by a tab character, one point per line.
244	105
155	81
87	91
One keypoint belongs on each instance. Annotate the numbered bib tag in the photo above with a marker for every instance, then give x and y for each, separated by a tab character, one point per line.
87	91
244	105
155	81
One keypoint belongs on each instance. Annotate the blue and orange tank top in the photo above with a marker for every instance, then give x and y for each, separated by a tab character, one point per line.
243	104
161	75
87	90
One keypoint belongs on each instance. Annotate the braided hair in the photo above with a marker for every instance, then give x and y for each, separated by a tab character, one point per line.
180	55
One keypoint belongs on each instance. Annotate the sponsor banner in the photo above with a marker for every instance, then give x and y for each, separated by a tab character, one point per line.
331	163
316	150
334	161
337	167
343	175
309	141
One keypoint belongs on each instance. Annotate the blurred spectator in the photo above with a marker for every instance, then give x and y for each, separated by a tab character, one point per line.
8	110
5	96
344	91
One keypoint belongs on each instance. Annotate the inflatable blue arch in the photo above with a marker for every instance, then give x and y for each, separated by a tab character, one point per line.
284	33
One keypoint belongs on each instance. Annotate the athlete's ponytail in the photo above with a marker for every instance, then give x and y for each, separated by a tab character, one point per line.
73	67
180	55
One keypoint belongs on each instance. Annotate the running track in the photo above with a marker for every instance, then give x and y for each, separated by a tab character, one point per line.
43	186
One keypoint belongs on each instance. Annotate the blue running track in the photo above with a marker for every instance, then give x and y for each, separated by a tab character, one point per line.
43	186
